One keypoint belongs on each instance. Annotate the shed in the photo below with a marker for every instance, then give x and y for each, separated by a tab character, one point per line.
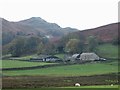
52	59
89	56
75	56
45	58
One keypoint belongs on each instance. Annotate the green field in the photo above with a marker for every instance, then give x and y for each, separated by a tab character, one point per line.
108	51
15	63
70	70
101	87
104	50
51	74
97	86
61	56
28	57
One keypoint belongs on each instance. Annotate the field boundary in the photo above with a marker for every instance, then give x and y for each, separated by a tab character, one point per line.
34	67
42	66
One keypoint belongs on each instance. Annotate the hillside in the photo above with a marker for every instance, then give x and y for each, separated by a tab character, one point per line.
34	26
38	34
104	33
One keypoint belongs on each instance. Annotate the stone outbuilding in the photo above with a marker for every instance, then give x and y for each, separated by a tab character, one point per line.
89	57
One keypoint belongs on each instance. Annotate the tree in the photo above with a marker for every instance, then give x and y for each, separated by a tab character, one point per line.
17	47
92	44
48	48
41	48
74	46
60	49
32	43
22	46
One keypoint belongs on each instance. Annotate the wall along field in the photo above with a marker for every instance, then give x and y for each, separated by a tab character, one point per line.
69	70
106	71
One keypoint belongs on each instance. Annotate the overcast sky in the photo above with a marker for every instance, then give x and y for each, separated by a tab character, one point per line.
80	14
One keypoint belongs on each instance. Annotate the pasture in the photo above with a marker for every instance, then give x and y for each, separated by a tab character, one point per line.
108	51
61	56
16	64
101	87
90	75
68	70
97	86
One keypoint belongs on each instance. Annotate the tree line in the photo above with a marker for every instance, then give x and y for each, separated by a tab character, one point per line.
68	44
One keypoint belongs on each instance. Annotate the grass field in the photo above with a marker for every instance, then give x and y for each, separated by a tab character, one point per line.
108	51
28	57
89	73
105	50
97	86
61	56
101	87
15	64
71	70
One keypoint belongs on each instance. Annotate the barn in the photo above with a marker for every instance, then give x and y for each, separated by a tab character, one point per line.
45	58
75	56
52	59
89	57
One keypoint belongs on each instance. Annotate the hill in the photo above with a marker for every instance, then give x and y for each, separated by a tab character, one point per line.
40	30
39	27
103	33
34	26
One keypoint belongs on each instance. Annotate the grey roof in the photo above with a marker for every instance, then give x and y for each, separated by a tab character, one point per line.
75	55
89	56
45	56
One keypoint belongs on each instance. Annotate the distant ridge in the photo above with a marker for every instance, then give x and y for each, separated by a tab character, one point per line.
104	33
36	26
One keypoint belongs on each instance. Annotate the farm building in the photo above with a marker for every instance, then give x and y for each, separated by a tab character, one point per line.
89	56
45	58
75	56
52	59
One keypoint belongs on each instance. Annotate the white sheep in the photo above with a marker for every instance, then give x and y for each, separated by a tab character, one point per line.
111	85
77	85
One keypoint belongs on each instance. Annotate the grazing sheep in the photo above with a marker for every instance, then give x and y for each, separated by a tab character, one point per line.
77	85
111	85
